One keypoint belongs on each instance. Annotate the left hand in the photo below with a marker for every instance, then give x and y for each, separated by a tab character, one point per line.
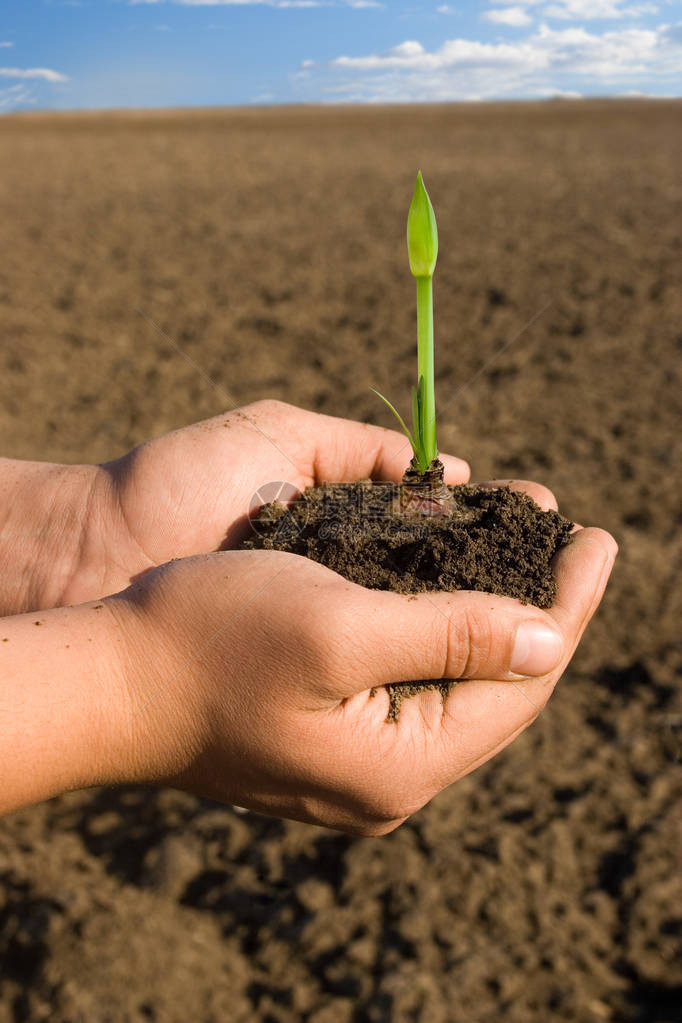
188	492
70	534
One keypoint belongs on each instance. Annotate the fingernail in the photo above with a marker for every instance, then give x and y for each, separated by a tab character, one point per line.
537	649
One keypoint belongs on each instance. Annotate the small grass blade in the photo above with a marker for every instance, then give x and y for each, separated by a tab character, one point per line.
400	419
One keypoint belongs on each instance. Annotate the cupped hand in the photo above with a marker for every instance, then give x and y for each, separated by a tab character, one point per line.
189	492
250	676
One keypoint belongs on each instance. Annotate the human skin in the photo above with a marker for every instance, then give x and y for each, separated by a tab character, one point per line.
246	675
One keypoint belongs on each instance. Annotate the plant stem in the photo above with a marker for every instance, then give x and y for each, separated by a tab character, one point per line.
425	366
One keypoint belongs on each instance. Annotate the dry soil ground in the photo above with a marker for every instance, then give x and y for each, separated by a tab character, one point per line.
269	245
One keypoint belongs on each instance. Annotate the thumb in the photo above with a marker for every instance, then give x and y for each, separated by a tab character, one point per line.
381	637
341	449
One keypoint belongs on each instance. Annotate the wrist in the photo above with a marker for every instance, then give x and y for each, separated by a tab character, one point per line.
63	536
161	726
65	710
44	522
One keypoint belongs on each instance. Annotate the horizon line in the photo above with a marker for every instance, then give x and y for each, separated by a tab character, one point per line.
558	99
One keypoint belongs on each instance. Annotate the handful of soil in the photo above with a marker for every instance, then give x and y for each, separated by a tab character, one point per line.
498	541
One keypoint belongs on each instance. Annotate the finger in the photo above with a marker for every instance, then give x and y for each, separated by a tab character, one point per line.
328	449
364	638
542	496
456	470
345	450
477	720
480	717
582	570
381	637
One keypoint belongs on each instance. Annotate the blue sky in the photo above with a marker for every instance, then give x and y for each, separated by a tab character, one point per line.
89	54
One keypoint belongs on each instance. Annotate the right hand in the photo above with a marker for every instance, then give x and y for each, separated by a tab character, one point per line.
249	677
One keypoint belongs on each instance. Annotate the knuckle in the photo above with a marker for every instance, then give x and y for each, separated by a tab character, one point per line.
389	807
470	642
378	830
266	407
384	803
385	812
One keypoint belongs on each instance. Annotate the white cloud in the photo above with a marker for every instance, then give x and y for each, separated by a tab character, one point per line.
15	96
636	10
43	73
6	46
508	16
456	54
20	94
255	3
557	94
673	33
549	62
586	10
582	10
357	5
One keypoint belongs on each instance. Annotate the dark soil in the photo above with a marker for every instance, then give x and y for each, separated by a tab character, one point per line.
495	540
544	886
498	540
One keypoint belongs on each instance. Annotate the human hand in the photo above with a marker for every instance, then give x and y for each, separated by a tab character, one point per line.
76	533
249	677
69	534
189	491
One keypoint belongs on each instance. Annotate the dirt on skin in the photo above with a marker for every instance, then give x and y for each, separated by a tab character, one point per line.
494	540
269	246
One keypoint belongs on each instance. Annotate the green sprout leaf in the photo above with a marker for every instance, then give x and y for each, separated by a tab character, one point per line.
400	419
422	249
422	233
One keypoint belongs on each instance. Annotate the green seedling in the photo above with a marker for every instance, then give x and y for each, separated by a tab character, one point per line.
422	249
